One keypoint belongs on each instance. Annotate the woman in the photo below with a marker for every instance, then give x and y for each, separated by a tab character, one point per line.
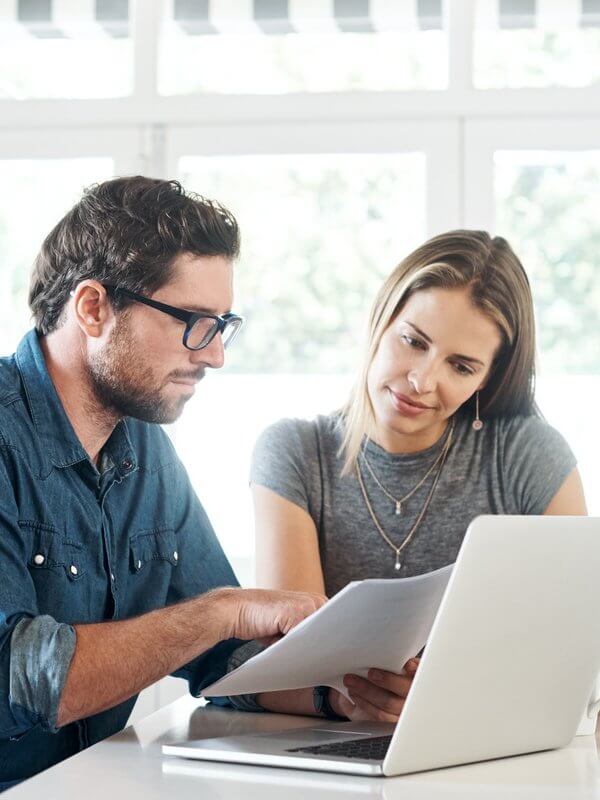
441	426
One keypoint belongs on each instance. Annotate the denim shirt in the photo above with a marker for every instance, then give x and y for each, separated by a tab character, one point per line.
80	546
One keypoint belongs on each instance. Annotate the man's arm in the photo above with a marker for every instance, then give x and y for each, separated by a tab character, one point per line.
115	660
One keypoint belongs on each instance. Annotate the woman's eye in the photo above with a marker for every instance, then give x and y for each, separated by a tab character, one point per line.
462	369
413	342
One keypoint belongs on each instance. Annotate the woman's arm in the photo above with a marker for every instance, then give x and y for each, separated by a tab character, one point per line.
287	555
287	545
570	499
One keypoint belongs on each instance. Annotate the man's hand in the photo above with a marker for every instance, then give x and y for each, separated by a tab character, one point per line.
380	696
265	614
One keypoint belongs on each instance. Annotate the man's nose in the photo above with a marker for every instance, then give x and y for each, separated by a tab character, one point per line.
213	355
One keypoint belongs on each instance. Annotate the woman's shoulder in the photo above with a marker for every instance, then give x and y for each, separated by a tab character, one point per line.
300	435
530	436
531	426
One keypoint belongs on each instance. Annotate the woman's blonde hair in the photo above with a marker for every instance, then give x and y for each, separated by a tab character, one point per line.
498	286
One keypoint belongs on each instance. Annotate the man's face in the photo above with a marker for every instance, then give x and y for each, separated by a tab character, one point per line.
143	370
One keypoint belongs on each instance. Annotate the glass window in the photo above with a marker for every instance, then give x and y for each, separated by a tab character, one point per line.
520	43
274	48
319	233
546	205
35	195
68	50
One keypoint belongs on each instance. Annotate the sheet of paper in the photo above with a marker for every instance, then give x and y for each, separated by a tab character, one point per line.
371	623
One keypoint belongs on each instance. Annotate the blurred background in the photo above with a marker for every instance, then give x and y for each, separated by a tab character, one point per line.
341	133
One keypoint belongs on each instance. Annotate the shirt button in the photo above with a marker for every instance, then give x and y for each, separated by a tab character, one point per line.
112	577
127	464
139	564
39	559
74	569
175	555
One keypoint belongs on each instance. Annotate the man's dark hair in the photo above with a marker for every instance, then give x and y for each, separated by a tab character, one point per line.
126	232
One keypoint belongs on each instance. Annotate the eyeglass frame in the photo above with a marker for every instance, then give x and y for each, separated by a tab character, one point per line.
189	317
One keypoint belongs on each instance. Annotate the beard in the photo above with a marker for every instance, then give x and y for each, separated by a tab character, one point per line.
125	387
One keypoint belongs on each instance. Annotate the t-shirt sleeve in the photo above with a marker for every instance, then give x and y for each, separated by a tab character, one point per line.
285	460
537	460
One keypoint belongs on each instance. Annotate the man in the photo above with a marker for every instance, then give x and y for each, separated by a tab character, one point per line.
108	562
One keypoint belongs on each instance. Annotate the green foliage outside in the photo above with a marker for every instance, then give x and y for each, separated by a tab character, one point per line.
549	212
319	233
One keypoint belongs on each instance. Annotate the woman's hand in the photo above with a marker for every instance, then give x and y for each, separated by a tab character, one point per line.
380	696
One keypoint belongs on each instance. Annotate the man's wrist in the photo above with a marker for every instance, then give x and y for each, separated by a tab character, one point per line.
222	607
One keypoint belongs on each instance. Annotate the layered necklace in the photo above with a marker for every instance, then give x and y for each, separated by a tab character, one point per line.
398	501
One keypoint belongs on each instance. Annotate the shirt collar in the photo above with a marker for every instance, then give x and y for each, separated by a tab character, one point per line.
50	419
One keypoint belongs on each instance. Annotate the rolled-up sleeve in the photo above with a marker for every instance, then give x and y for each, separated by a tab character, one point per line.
35	649
41	650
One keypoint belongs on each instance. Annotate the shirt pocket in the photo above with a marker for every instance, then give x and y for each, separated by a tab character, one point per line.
157	546
49	552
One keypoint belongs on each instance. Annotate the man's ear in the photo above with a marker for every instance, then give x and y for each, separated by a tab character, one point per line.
91	307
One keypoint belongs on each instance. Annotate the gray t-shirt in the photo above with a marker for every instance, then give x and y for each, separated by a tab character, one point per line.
511	466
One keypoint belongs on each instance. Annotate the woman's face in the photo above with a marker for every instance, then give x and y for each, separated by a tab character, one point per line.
431	359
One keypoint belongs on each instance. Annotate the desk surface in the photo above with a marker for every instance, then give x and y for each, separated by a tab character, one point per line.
130	765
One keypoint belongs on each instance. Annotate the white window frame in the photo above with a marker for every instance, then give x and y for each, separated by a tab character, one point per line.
122	145
483	138
439	141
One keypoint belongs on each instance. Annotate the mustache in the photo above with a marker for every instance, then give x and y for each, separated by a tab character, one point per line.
197	375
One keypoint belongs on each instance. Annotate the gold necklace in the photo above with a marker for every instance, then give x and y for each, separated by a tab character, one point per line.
398	501
413	530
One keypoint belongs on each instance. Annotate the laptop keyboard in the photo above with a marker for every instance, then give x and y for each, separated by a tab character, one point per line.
371	748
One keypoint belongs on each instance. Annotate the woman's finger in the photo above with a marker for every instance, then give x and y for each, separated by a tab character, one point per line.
372	711
391	681
389	702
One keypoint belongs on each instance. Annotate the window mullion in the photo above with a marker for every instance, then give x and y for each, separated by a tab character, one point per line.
460	22
146	29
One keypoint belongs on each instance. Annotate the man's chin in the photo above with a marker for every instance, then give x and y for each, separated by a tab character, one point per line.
155	413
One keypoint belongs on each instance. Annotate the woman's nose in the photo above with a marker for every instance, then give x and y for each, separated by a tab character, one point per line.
423	378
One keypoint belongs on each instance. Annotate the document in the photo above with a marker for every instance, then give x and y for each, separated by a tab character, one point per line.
371	623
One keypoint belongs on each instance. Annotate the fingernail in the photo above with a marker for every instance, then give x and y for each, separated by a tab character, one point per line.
349	680
375	674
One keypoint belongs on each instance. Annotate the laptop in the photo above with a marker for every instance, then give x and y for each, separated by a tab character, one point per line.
508	669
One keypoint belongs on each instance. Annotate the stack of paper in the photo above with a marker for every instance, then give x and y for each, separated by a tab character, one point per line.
371	623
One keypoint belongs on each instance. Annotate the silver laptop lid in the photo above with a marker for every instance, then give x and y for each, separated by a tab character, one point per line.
514	649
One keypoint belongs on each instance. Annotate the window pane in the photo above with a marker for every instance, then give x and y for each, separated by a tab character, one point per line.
319	233
540	45
247	54
35	195
87	52
546	204
548	207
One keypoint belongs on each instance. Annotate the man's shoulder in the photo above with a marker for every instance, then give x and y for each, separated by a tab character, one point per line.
11	386
14	414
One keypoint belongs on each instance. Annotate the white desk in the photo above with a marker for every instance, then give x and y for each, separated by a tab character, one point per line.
130	765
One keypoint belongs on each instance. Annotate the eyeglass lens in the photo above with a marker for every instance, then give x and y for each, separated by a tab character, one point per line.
205	329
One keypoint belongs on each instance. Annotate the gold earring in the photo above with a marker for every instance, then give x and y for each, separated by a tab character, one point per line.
477	424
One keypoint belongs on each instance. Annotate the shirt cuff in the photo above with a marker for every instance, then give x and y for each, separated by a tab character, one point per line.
41	650
244	702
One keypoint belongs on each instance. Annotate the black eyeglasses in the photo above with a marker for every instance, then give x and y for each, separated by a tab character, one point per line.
200	328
